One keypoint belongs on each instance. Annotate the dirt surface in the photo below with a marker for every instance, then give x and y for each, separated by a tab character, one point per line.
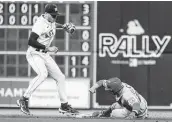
53	113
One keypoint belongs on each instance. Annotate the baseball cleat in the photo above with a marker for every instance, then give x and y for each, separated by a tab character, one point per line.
23	104
66	108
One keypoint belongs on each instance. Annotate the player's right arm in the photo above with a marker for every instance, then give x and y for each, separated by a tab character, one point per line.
33	41
37	30
97	85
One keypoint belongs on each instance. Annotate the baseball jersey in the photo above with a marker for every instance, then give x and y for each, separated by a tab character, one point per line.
130	96
45	29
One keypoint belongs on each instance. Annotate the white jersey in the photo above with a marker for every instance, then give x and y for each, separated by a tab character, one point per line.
46	30
42	62
123	104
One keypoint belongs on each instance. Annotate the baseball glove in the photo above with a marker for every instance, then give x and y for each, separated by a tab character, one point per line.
103	113
96	114
100	114
69	27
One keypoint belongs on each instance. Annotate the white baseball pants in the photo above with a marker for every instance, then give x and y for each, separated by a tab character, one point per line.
42	64
119	111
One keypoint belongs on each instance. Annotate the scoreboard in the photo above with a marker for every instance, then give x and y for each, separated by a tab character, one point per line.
74	56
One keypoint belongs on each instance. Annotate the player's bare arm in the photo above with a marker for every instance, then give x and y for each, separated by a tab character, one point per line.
97	85
58	25
68	27
104	83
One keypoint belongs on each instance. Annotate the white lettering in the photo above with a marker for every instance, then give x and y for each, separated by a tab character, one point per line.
9	92
2	92
160	44
127	46
18	92
105	43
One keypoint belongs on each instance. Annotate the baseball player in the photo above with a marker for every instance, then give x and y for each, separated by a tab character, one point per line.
129	103
43	32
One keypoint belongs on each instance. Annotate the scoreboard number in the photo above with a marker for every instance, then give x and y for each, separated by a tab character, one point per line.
36	8
85	60
12	20
12	8
85	73
1	19
85	35
24	8
86	21
86	9
34	19
73	71
73	59
1	8
85	46
24	20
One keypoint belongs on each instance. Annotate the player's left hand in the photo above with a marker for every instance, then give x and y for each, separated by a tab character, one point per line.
69	27
52	49
131	116
92	90
100	114
96	114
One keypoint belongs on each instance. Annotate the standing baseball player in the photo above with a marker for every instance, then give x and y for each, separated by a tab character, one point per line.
43	32
128	104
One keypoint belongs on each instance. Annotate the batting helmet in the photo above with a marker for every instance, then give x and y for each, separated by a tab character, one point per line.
52	10
114	84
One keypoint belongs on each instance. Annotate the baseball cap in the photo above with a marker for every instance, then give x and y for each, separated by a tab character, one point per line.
52	9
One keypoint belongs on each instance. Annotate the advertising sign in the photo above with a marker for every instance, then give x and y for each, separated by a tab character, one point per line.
46	95
134	44
10	91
